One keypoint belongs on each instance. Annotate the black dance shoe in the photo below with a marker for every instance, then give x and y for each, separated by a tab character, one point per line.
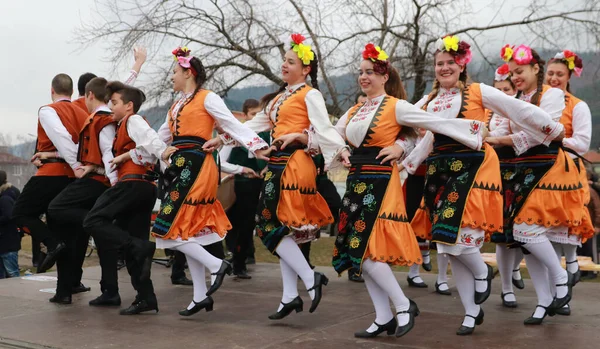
538	320
577	274
80	289
466	330
207	303
413	311
355	277
518	283
139	307
60	299
427	266
224	269
481	297
564	311
508	304
242	274
51	257
412	283
182	281
106	300
390	328
142	252
297	304
320	280
561	302
444	292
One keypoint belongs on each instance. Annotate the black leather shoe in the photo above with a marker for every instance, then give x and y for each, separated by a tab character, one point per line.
142	252
139	307
297	304
561	302
466	330
577	274
444	292
207	303
412	283
413	312
538	320
518	283
508	304
564	311
481	297
60	299
225	269
51	257
80	289
390	328
427	266
355	277
182	281
106	300
242	274
320	280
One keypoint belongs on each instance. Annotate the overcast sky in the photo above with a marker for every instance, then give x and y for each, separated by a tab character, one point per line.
36	37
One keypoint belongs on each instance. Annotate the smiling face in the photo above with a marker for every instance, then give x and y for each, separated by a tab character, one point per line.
119	108
292	70
558	75
524	76
506	87
371	83
180	78
447	72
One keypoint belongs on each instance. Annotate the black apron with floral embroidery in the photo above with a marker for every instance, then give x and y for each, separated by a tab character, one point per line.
451	171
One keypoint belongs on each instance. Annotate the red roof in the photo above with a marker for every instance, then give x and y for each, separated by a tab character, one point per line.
6	158
592	156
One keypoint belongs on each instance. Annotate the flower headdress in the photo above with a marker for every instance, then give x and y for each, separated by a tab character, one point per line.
460	50
182	56
303	51
379	58
521	55
502	73
572	61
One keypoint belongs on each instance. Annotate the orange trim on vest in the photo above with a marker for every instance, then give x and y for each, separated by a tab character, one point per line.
567	116
292	114
123	144
193	119
72	118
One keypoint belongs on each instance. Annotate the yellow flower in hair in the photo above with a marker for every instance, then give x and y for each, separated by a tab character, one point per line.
305	53
571	62
382	55
451	42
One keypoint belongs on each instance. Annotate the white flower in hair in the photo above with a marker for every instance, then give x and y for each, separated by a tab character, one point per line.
502	73
439	44
559	55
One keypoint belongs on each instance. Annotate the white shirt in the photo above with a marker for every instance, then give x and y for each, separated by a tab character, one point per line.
148	146
226	166
527	116
106	138
58	134
328	139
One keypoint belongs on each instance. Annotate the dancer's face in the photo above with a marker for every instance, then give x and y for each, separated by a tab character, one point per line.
558	75
370	82
180	78
119	108
505	87
447	72
252	113
524	76
292	70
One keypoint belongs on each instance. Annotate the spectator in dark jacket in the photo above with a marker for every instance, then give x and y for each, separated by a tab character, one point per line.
10	237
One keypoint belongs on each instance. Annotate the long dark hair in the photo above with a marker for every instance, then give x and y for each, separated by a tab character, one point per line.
314	72
200	77
535	99
394	86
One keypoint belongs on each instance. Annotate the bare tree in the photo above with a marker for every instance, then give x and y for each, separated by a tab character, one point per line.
240	41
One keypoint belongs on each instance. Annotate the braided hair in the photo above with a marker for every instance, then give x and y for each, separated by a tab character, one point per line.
535	99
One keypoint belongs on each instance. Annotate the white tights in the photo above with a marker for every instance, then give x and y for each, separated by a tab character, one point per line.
293	264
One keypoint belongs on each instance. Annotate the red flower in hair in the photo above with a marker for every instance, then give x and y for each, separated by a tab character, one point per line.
370	52
504	69
181	52
568	53
298	38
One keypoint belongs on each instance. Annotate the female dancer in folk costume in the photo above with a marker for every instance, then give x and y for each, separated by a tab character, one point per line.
577	120
462	200
541	183
190	216
509	259
290	210
374	231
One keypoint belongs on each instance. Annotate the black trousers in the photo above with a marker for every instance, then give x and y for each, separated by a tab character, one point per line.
33	202
66	214
178	268
241	216
130	204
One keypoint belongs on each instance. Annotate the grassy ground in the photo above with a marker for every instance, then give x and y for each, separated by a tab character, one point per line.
320	255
